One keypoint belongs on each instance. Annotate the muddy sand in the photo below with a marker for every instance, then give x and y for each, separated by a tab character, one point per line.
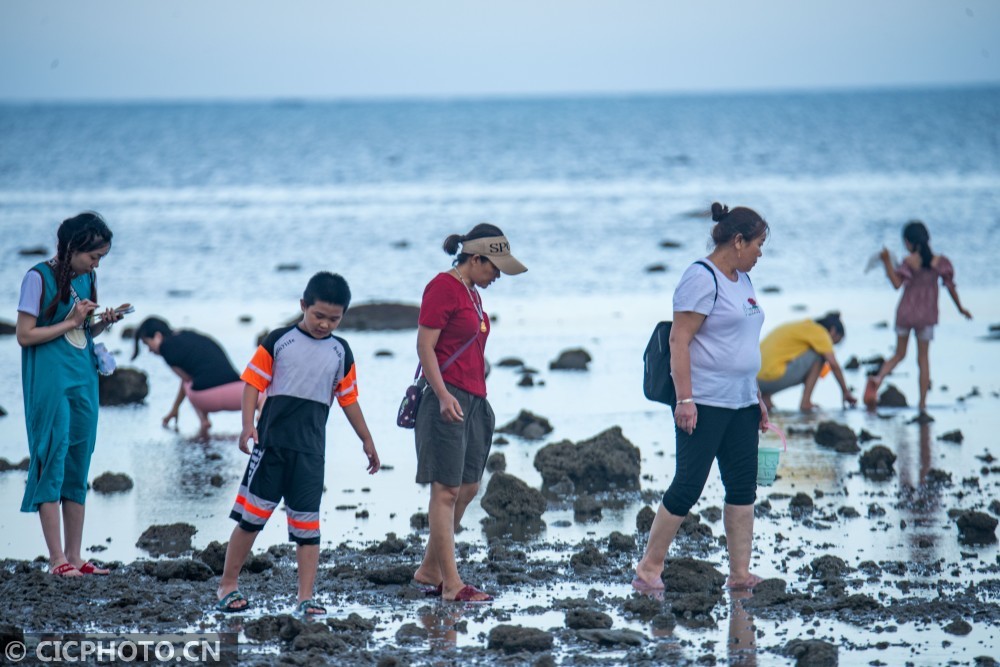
877	540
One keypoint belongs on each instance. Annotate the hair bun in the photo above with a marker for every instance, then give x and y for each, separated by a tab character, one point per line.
719	211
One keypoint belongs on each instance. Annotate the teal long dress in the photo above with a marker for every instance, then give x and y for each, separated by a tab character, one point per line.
60	405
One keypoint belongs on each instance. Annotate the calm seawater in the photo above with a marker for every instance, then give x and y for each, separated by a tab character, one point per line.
208	199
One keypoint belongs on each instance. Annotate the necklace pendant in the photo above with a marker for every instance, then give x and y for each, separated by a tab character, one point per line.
482	326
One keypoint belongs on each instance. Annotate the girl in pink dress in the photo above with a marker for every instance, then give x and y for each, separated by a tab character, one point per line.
918	274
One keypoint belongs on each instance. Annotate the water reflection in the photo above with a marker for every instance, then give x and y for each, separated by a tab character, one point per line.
443	622
920	491
742	645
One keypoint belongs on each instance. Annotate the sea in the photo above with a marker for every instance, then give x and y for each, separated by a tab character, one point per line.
222	210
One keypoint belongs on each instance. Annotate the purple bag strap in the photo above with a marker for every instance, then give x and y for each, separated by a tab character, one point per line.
450	359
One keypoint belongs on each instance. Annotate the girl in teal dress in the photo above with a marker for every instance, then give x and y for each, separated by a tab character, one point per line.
59	377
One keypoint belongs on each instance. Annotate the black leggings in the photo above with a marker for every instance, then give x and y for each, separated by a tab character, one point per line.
725	434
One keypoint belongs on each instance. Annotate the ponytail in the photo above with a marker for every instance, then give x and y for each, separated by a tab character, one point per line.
916	234
481	231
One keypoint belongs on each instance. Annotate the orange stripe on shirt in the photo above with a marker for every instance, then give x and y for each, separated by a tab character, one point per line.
303	525
261	360
349	385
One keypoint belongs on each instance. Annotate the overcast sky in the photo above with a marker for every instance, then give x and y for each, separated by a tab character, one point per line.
249	49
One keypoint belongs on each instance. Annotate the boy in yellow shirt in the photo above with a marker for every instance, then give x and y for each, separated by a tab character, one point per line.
796	353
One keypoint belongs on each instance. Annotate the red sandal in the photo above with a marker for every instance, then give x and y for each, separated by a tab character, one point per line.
468	594
64	570
90	568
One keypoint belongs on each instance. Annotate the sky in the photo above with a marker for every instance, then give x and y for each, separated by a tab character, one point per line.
85	50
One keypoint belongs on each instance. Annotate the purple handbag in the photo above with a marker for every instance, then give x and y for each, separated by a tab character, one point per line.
407	415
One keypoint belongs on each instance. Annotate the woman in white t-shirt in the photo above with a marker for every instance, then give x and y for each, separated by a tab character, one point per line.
714	360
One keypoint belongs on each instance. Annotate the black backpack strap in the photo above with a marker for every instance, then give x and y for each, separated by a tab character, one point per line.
714	279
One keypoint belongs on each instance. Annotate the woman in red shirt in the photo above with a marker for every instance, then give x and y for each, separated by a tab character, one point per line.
454	428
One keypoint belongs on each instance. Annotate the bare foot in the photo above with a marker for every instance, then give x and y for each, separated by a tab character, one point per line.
806	406
425	578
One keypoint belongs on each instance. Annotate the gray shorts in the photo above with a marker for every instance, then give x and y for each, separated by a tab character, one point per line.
923	333
453	453
795	373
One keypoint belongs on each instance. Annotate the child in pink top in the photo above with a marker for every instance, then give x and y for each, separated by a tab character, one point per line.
918	274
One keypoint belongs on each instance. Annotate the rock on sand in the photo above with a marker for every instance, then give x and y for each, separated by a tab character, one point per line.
606	462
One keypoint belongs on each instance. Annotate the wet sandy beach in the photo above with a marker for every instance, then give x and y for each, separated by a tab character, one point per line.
859	569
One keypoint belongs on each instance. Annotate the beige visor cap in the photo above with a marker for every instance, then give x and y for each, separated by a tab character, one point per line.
497	250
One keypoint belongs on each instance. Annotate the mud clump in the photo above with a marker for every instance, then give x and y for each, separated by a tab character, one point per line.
976	528
183	569
606	462
214	556
514	639
508	498
769	593
695	604
391	545
169	540
644	519
589	557
381	317
688	575
812	653
398	575
6	466
952	436
575	359
125	386
838	437
587	619
693	528
528	426
619	543
497	462
892	398
801	504
586	509
829	568
271	628
876	463
112	482
958	627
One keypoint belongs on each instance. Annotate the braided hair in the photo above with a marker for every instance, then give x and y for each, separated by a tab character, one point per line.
84	232
481	231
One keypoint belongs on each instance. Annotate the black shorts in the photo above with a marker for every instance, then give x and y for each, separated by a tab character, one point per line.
274	473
